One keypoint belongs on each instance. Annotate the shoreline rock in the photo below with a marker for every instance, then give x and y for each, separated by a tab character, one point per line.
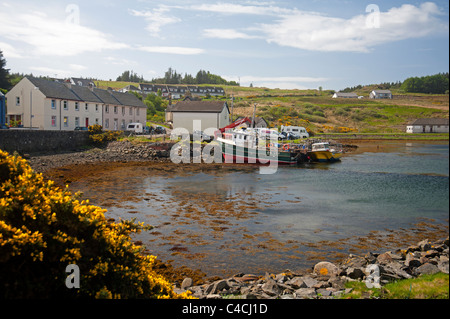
327	280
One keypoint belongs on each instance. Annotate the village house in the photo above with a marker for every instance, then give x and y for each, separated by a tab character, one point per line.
47	105
212	114
260	122
81	82
345	95
428	126
175	92
380	94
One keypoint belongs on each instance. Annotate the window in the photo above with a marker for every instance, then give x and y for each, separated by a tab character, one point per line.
66	121
123	110
96	108
77	122
123	123
18	100
115	109
106	108
77	106
96	121
54	121
86	107
131	111
106	123
66	106
54	104
137	111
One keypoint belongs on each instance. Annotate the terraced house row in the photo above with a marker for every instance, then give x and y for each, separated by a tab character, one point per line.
48	105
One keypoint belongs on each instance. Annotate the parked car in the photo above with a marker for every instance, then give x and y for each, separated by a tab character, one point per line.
159	130
79	128
203	136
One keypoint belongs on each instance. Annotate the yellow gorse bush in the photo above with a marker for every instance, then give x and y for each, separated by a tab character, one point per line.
44	228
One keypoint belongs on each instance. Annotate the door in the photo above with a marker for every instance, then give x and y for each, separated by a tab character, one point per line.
87	122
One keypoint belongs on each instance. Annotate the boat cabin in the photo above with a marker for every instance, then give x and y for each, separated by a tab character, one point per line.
321	146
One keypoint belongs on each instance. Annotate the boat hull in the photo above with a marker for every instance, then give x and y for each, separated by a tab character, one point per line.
241	154
324	156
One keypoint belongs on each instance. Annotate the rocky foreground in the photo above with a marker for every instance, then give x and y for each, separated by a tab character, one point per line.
327	280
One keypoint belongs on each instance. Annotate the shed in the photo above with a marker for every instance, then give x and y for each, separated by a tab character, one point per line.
211	114
433	125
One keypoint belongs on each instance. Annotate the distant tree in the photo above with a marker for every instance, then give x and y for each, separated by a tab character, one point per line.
4	73
435	84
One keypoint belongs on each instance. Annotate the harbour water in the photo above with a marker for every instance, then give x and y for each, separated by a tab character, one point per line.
227	219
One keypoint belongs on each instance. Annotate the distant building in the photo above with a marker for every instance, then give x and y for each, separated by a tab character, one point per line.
81	82
260	122
212	114
434	125
345	95
380	94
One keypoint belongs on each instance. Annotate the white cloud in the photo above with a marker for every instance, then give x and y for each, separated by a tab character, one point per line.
156	19
226	34
9	51
172	50
310	31
231	8
66	72
52	36
317	32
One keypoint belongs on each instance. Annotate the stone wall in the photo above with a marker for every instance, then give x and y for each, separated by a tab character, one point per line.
31	141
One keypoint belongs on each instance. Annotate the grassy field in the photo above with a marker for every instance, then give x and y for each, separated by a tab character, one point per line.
321	114
424	287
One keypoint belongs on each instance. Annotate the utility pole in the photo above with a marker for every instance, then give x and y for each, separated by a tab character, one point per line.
253	118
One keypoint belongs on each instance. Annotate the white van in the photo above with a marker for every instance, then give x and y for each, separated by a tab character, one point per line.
137	128
298	130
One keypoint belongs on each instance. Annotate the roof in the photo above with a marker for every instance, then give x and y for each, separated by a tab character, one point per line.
82	82
63	91
199	106
128	99
382	91
258	120
342	94
85	94
433	121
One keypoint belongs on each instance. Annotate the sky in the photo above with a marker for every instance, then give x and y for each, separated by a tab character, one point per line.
276	44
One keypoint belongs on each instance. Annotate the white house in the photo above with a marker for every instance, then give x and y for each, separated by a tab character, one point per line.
428	126
380	94
345	95
212	114
47	105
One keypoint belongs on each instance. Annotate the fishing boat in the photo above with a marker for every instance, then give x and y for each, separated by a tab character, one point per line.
324	152
246	146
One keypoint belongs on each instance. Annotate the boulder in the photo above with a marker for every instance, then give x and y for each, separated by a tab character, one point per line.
310	282
424	245
271	288
187	282
296	283
427	269
326	268
355	273
305	293
384	259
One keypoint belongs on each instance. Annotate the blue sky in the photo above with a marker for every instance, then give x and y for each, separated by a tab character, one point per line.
276	44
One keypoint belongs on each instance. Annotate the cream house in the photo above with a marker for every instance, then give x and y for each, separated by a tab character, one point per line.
47	105
212	114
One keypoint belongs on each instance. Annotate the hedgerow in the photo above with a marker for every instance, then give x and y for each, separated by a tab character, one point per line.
44	228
